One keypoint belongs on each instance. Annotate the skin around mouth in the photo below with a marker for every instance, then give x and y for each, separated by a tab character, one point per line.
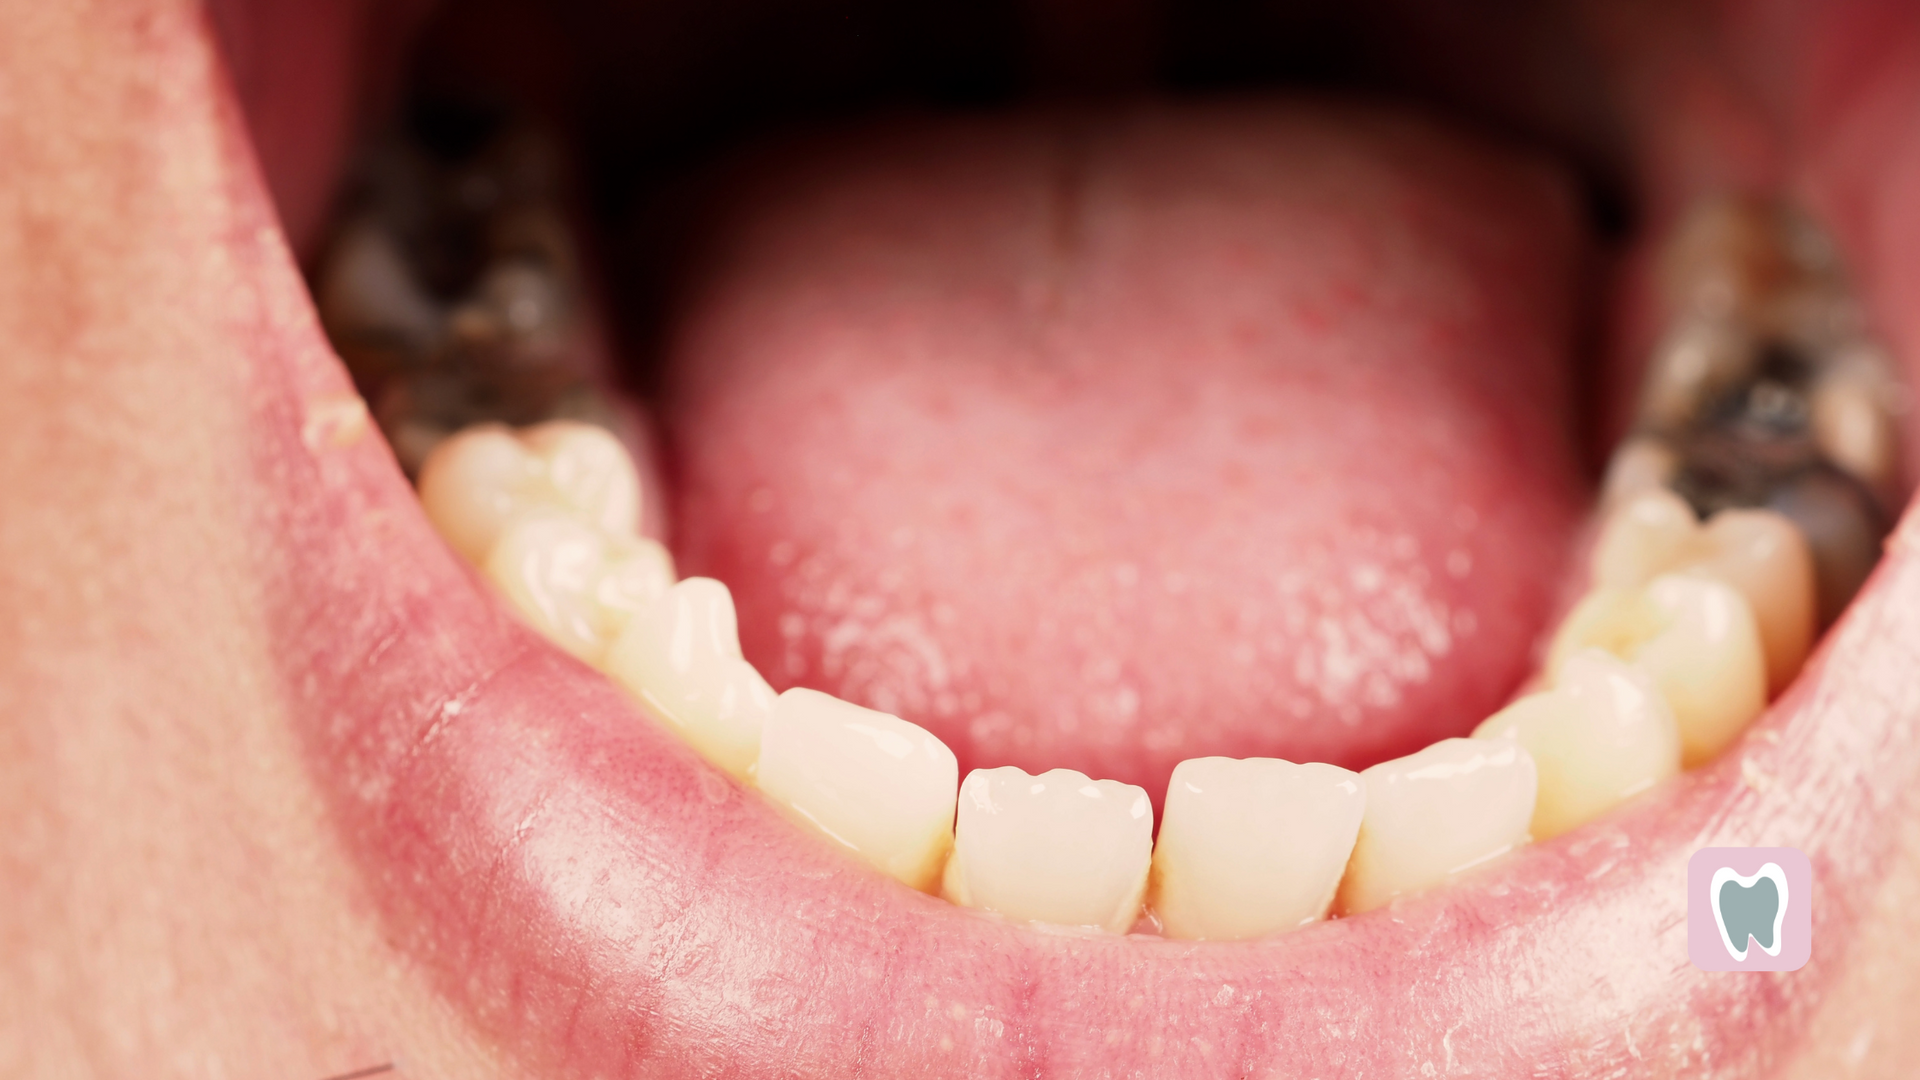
287	793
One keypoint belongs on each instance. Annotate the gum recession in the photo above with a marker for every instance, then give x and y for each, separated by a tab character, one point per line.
599	899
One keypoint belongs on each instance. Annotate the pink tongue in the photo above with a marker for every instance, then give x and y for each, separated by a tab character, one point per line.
1109	443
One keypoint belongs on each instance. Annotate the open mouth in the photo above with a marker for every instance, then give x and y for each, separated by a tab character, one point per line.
1127	426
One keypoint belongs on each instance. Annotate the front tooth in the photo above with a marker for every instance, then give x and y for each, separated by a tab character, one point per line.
1600	736
1055	848
1250	847
875	783
682	657
1436	813
573	583
1695	637
476	483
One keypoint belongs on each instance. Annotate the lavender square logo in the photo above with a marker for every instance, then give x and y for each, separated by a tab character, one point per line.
1749	909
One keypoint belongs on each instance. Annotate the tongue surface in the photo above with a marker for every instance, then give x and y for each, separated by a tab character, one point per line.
1109	442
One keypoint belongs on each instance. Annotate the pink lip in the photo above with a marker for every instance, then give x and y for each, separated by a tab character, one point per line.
605	903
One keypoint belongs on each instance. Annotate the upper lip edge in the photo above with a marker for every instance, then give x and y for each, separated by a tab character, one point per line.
453	745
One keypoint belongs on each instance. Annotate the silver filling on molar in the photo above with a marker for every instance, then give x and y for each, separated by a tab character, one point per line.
452	284
1769	390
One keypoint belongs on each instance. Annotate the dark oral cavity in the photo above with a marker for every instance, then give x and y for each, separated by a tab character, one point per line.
639	916
1112	439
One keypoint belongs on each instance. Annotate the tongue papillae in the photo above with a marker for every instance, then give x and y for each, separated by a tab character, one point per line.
1108	441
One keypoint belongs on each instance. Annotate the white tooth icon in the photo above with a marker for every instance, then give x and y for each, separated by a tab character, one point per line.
1724	876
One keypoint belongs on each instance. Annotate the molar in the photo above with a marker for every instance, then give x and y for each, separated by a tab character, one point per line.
872	782
1436	813
681	656
476	483
1055	848
1250	847
1602	735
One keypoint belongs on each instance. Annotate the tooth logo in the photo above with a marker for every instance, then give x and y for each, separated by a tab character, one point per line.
1749	909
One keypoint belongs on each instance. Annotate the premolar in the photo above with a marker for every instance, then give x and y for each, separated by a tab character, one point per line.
576	584
682	657
1250	847
1055	848
478	482
1694	636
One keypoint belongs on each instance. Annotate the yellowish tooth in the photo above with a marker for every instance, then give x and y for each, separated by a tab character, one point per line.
1695	637
681	656
1055	848
1638	466
1758	552
1250	847
472	487
1765	557
1602	735
572	582
1854	406
1646	535
880	786
476	483
1437	813
589	473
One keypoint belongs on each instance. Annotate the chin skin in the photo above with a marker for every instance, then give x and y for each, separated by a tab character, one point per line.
284	794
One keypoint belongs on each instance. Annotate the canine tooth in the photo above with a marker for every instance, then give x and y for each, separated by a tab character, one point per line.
1600	736
1055	848
875	783
1695	637
477	482
681	656
575	584
1758	552
1250	847
1436	813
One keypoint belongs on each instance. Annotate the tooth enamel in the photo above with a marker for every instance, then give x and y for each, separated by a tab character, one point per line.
1436	813
1055	848
1644	536
573	583
476	483
1640	465
681	656
875	783
1758	552
1695	637
1852	423
1764	556
589	473
1600	736
1250	847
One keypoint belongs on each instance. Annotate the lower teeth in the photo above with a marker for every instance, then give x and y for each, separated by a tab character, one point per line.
1768	411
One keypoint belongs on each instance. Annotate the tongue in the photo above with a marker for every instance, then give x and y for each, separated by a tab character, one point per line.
1105	443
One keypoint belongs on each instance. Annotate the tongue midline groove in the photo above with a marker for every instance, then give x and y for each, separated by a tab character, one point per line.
1686	630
